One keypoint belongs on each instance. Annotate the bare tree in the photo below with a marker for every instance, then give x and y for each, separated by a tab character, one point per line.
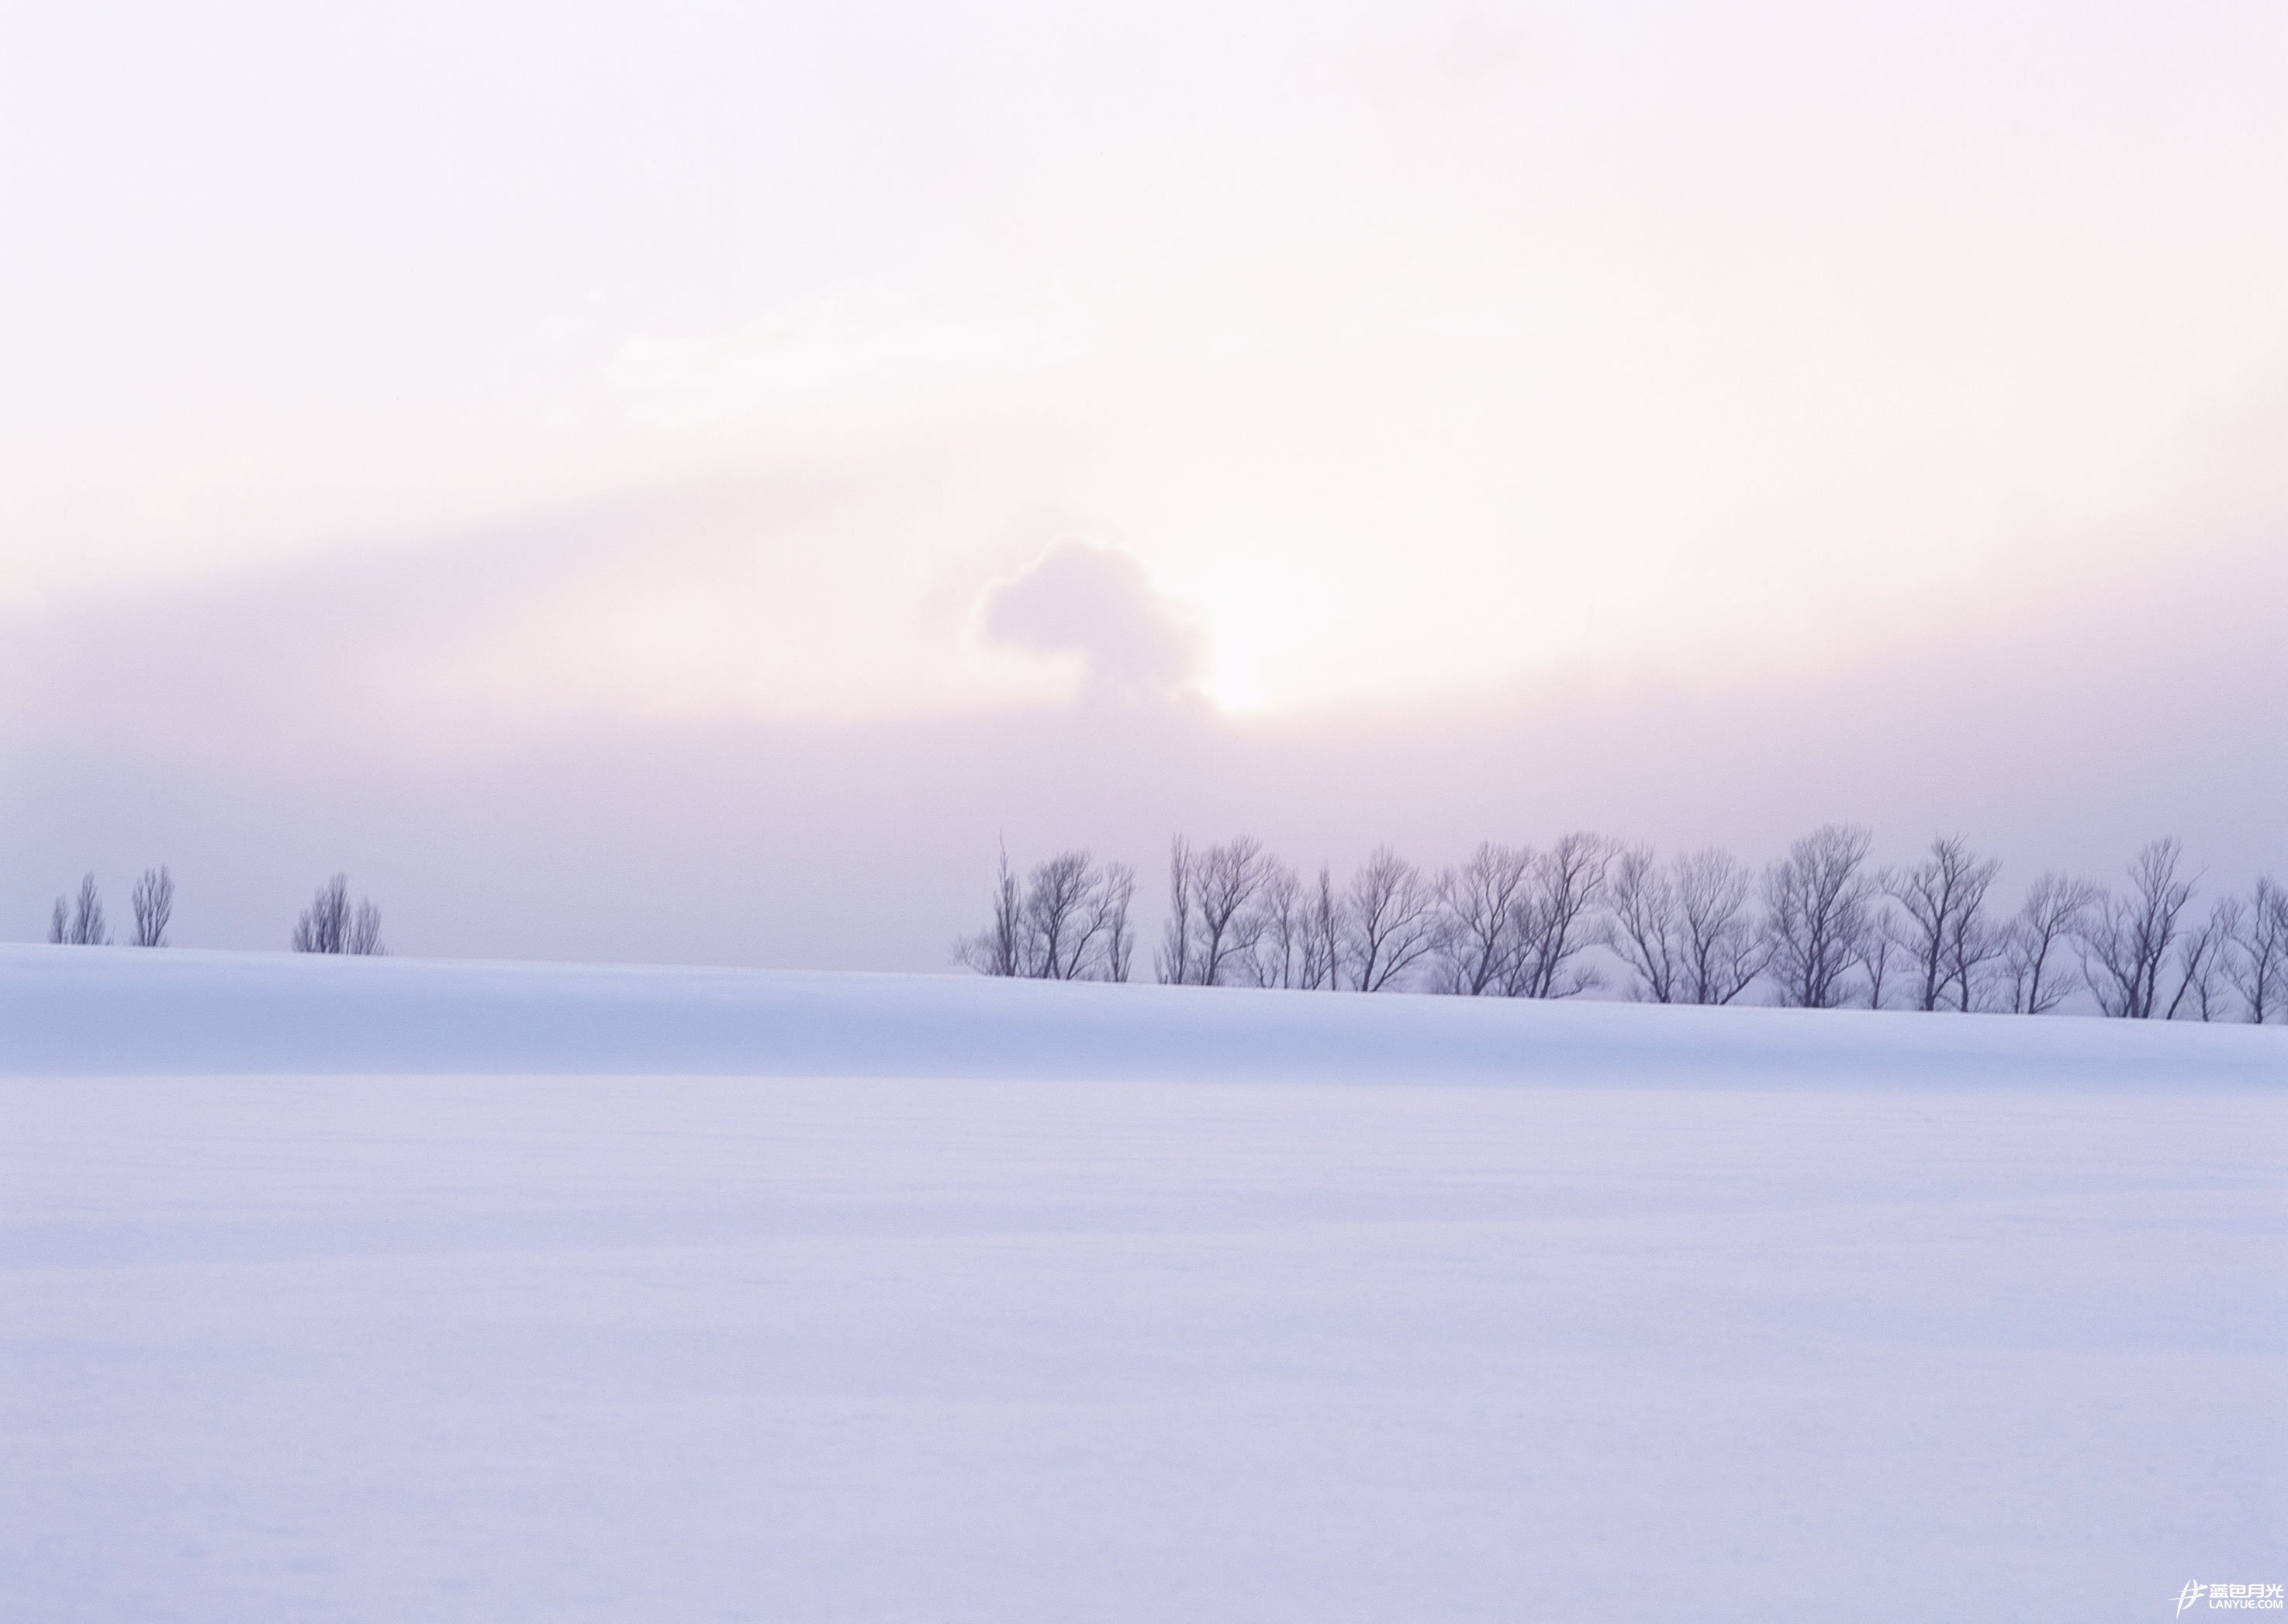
154	902
1279	931
88	926
79	922
330	924
1232	877
1880	957
2259	964
1207	940
2202	954
1975	958
1081	914
1057	911
1818	919
365	930
1326	927
1116	942
1177	946
2034	978
1554	919
1644	926
1069	922
2126	941
1723	947
998	949
324	926
1477	949
1394	920
1685	932
1942	926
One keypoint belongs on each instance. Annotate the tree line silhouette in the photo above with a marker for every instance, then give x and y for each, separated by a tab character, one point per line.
330	924
1820	927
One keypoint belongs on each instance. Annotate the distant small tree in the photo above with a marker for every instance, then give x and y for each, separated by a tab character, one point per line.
1819	913
79	922
1069	922
2258	962
330	924
1724	951
1685	932
1554	919
2204	952
1326	927
1213	915
1059	911
1943	927
1230	881
2127	942
1879	958
1392	912
1644	926
2034	976
1176	945
1478	945
154	902
1109	927
1280	930
997	950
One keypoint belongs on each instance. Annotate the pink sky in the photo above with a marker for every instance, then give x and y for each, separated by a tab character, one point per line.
655	454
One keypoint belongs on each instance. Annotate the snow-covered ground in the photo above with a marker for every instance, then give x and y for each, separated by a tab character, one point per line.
394	1291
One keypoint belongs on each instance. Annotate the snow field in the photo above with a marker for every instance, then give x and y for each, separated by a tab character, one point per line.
474	1347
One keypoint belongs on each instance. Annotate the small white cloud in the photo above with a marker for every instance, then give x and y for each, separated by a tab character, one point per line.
1085	598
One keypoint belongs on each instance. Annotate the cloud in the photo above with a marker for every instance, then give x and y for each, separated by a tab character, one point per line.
1085	598
2058	724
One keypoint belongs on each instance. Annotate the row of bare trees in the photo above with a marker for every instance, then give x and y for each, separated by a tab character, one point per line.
79	921
1822	927
330	924
1066	922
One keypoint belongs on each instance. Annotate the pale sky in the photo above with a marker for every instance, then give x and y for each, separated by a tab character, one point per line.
785	449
